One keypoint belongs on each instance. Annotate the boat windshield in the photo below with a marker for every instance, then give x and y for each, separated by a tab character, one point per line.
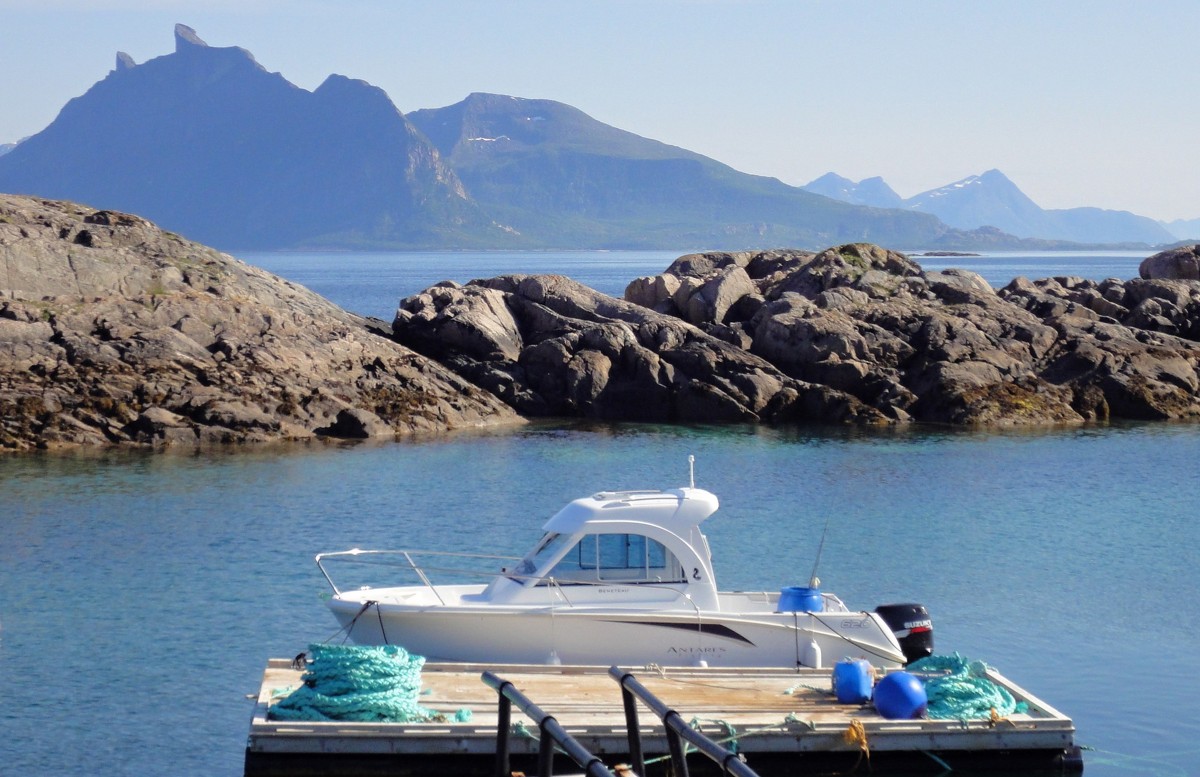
626	558
548	547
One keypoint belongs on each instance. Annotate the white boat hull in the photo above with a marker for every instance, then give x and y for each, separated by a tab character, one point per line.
607	636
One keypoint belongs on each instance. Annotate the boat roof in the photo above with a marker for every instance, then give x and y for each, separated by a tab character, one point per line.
676	509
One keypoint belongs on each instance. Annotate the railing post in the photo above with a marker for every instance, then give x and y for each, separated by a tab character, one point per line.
550	732
545	749
503	723
676	746
633	732
679	734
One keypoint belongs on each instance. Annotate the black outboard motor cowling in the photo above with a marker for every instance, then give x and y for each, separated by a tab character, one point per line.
912	626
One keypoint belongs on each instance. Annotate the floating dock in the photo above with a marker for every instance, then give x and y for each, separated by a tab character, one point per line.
780	721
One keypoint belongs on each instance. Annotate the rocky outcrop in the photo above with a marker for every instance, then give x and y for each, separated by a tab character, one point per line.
114	332
1182	263
552	347
854	333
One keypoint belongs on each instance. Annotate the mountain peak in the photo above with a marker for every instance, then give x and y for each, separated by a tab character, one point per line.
124	62
992	181
831	179
186	37
516	122
490	98
191	48
873	192
278	164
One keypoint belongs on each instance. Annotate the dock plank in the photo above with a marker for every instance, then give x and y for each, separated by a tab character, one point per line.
772	712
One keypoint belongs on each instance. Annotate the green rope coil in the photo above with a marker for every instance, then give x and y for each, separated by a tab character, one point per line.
958	689
359	683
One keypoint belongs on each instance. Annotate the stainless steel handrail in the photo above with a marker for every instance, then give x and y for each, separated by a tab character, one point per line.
410	564
555	585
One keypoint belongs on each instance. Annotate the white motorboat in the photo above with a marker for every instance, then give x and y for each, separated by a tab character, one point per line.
619	577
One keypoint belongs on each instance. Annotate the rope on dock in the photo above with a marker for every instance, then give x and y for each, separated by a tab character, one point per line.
359	683
856	734
958	689
733	736
791	691
731	733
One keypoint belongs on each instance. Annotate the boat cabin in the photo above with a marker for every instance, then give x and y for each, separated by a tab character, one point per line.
646	545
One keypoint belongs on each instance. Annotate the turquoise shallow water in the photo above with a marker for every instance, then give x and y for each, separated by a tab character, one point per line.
141	594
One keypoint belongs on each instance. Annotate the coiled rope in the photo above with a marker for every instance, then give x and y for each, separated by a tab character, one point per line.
958	689
359	683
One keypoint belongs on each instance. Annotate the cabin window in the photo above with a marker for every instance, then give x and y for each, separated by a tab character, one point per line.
626	558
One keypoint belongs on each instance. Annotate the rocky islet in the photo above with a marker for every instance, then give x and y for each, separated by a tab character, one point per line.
114	332
855	333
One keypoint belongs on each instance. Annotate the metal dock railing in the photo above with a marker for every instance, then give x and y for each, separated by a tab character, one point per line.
679	733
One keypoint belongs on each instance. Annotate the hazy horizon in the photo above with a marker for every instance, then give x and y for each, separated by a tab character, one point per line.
1079	104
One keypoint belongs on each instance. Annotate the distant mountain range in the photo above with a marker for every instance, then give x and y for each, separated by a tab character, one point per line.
991	199
207	143
1183	229
552	172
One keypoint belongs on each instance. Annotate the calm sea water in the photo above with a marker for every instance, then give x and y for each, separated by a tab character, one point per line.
141	594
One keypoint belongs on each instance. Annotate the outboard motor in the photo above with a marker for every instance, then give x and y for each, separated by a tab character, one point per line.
912	626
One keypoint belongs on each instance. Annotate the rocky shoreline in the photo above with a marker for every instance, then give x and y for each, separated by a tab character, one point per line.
113	332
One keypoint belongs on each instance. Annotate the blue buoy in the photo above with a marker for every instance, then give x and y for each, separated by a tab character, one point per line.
900	696
852	681
795	598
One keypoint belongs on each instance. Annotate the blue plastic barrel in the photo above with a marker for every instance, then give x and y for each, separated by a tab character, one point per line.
795	598
852	681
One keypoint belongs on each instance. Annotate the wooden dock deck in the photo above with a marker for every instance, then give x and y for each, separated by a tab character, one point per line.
783	722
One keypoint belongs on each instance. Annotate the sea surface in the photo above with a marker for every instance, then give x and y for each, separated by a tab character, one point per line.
142	594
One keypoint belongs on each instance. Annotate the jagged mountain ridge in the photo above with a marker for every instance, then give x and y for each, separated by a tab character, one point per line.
991	199
206	142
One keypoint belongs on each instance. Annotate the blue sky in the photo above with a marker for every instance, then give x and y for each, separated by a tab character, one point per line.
1080	103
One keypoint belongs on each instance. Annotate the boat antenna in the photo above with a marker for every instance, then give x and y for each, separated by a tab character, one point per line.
691	471
813	580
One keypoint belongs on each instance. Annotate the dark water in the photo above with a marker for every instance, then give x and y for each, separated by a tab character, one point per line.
141	595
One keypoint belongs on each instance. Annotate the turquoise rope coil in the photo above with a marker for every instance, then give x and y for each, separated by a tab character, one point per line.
958	689
359	683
